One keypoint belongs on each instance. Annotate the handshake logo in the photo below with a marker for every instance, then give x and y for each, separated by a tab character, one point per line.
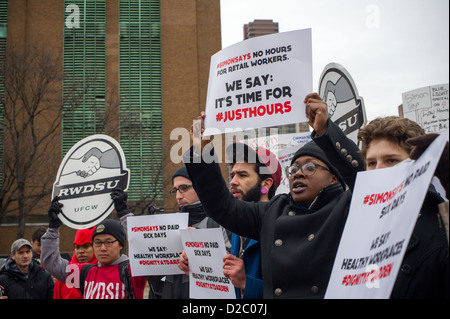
86	177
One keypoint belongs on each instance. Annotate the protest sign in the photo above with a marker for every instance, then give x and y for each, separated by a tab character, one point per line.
383	212
154	243
345	106
277	142
285	157
89	172
428	107
260	82
205	249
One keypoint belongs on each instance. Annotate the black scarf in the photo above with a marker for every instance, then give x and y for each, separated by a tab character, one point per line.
196	213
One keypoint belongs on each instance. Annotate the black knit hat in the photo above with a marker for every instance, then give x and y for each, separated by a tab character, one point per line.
110	227
312	149
182	171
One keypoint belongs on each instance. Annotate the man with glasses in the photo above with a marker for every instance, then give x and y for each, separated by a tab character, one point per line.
299	232
188	202
182	189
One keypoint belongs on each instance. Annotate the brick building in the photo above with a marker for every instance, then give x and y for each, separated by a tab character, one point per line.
145	64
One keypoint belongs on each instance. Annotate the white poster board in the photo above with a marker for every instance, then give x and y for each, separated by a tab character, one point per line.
259	82
277	142
384	210
428	106
285	157
87	175
154	243
205	249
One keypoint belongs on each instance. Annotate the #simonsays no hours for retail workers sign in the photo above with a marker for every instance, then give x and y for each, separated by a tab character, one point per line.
89	172
259	82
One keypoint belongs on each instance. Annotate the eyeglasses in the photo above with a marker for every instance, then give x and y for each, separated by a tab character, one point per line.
108	243
181	188
308	169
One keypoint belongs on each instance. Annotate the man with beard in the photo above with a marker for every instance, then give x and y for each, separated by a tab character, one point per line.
254	177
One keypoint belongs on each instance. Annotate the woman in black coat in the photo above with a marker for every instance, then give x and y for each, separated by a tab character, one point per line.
299	232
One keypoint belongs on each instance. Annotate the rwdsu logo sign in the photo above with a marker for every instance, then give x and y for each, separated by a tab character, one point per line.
89	172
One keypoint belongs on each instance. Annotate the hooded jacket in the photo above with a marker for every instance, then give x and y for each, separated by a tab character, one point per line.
101	281
37	284
63	291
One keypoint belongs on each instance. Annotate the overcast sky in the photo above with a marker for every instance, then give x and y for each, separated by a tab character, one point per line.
388	46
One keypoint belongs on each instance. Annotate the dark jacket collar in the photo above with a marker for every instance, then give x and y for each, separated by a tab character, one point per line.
324	197
11	268
196	213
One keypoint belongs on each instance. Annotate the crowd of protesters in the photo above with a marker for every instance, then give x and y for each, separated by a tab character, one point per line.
281	246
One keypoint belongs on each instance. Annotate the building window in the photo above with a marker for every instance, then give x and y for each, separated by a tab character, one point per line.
3	33
84	64
140	127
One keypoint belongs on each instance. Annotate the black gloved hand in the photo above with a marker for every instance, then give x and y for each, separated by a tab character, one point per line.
53	211
119	198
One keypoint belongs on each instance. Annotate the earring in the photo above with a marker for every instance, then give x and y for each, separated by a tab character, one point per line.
264	191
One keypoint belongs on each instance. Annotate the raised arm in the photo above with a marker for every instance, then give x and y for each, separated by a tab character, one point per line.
235	215
50	257
339	149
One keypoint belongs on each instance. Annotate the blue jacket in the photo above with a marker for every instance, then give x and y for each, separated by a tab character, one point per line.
251	255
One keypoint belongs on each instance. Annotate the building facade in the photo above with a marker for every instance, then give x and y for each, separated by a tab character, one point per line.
260	27
139	69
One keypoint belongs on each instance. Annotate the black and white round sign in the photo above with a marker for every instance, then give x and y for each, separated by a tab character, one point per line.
89	172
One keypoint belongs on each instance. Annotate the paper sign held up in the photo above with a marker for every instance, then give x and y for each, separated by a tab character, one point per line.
154	243
205	249
428	106
260	82
383	212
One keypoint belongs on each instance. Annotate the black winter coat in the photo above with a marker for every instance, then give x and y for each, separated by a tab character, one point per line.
38	284
298	244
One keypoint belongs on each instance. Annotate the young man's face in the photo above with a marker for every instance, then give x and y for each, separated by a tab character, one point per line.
84	252
22	257
36	246
383	153
304	189
188	197
106	255
245	183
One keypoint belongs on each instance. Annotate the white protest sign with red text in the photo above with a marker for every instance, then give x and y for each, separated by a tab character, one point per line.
154	243
205	249
384	210
259	82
